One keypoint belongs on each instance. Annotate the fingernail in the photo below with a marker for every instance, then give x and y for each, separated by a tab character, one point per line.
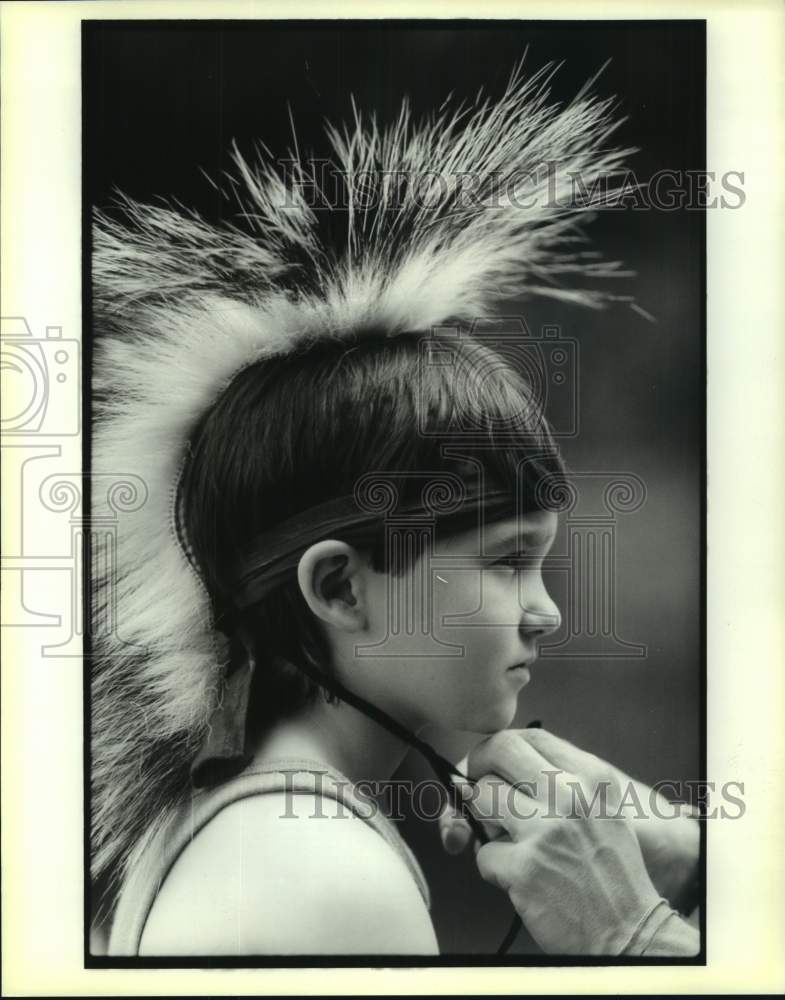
450	844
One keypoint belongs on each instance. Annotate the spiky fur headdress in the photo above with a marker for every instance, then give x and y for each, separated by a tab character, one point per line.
441	219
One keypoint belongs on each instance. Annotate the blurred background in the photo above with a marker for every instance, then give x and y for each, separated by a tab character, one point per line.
164	99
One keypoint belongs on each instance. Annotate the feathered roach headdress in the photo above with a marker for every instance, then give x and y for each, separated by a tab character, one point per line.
441	219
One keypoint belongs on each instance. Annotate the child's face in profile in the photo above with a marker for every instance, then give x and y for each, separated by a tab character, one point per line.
446	640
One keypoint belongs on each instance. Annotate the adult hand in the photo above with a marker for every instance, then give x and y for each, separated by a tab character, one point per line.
577	878
668	835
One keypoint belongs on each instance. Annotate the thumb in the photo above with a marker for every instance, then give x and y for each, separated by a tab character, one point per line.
455	831
454	828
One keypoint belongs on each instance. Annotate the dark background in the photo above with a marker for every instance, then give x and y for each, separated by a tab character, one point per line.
163	100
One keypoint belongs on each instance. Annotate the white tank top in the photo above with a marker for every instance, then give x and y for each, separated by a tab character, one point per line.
143	883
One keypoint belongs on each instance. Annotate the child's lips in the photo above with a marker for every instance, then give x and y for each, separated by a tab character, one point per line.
521	671
524	664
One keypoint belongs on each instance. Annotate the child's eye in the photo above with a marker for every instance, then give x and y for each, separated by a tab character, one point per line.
513	560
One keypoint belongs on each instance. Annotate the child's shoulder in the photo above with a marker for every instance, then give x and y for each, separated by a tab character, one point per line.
277	874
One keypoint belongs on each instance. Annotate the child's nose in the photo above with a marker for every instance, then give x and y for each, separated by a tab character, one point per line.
540	617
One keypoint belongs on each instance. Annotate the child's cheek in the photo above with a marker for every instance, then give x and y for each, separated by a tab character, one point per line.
458	599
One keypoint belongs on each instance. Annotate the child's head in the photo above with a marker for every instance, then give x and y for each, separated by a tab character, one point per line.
297	431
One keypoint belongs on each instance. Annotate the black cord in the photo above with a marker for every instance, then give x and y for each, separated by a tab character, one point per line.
443	769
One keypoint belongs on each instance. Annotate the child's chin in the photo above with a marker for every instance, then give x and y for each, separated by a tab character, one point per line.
496	717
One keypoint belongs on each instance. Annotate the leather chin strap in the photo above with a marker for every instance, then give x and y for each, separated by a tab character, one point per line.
272	557
442	768
226	749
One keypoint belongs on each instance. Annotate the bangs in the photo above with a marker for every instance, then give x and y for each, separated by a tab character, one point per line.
480	410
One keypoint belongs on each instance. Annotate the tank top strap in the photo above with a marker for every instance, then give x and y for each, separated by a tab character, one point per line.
291	775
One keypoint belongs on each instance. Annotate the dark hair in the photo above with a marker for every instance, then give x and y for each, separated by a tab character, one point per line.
297	430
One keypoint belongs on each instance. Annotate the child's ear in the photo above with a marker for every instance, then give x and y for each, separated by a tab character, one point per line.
330	575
